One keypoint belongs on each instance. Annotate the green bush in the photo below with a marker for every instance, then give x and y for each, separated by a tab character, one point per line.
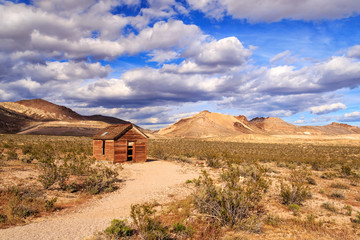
19	204
295	209
356	219
100	180
147	225
63	175
119	229
178	227
234	202
12	155
330	207
3	218
328	175
296	191
338	195
50	204
311	181
27	148
346	170
339	186
49	172
348	209
182	232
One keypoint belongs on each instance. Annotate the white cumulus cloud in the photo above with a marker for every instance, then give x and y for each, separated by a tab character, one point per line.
351	117
354	51
213	57
273	11
324	109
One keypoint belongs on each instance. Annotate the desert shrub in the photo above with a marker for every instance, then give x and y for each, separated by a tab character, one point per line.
26	148
214	163
339	186
100	180
309	223
158	152
235	202
295	209
317	166
79	165
63	174
27	158
273	220
346	170
74	187
329	206
119	229
181	231
237	152
146	223
213	158
19	204
354	181
9	144
328	175
296	191
2	218
49	172
311	181
356	219
12	155
182	159
348	209
337	195
50	204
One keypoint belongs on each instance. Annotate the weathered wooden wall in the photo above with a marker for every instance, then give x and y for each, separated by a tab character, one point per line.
139	149
109	150
116	151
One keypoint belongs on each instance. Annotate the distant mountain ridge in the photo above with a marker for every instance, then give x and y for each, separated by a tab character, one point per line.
38	116
207	124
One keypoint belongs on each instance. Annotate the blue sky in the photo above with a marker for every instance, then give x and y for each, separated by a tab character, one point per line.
155	61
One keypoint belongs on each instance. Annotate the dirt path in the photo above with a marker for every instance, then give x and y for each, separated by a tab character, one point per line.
143	182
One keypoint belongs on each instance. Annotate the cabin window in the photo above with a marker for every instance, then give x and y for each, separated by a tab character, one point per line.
103	147
130	151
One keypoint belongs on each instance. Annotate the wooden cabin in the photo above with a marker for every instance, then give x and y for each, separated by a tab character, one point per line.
120	143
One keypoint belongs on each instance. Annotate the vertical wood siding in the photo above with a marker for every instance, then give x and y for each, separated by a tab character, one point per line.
116	151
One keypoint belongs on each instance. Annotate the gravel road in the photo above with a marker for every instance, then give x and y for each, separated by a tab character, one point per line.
143	182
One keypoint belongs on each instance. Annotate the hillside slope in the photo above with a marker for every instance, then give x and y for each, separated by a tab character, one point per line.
11	122
208	125
38	116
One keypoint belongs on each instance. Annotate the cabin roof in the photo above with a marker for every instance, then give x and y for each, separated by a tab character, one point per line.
114	132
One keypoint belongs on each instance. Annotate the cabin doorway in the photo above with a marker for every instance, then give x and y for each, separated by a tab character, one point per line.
130	151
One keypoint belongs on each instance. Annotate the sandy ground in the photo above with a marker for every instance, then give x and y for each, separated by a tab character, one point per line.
155	180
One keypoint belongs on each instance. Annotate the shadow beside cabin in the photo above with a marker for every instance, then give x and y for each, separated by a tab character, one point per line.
120	143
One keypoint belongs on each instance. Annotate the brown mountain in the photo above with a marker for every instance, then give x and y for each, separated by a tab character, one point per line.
207	124
41	109
273	125
38	116
11	122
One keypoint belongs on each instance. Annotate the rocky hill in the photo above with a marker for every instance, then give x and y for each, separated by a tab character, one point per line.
206	124
39	116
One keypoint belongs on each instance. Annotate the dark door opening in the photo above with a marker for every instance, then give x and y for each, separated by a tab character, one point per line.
130	151
103	147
